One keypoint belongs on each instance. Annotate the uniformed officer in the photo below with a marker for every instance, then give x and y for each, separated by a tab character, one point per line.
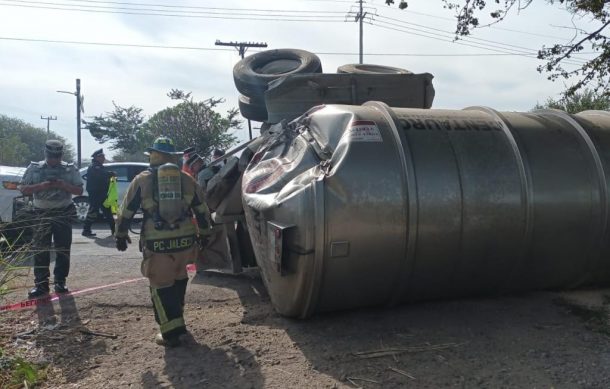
98	180
169	239
52	183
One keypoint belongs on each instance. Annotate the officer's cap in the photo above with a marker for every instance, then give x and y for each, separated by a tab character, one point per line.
163	145
53	148
97	152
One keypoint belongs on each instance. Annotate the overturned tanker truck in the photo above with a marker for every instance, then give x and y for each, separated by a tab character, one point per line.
360	205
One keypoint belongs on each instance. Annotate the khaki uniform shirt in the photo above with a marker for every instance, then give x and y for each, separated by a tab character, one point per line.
51	198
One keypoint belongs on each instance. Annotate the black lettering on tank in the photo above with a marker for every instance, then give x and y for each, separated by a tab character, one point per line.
471	124
432	124
459	126
418	124
497	126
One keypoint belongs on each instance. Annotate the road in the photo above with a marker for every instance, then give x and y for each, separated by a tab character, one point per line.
104	338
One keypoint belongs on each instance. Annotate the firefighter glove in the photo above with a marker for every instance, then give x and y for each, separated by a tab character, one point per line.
121	243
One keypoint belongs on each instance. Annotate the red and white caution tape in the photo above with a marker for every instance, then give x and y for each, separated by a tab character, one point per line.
55	297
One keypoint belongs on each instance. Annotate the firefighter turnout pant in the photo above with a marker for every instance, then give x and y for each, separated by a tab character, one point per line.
168	279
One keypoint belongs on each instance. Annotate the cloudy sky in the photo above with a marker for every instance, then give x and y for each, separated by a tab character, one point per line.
38	53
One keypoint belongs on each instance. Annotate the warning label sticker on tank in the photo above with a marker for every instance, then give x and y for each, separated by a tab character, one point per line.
363	131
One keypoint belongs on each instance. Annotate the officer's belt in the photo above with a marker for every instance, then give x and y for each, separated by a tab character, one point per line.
170	245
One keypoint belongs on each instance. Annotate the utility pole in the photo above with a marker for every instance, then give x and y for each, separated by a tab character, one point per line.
48	119
79	110
360	18
241	48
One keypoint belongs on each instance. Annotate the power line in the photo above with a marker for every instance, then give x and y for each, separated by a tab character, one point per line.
197	7
210	10
218	49
451	34
470	44
113	44
267	17
408	11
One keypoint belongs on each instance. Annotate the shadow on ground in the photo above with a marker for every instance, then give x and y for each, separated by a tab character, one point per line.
63	341
518	341
194	365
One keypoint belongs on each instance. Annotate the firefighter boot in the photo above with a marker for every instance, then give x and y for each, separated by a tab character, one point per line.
170	341
181	291
168	314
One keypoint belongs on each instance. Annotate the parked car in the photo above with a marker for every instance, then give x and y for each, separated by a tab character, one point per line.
10	177
125	172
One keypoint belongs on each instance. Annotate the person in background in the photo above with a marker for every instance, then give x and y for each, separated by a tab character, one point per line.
52	183
188	152
169	239
217	154
98	181
195	163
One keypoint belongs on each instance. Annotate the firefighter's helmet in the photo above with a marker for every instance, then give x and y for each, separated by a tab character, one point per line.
163	145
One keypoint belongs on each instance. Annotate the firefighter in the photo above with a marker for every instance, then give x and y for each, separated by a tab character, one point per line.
52	183
169	239
98	181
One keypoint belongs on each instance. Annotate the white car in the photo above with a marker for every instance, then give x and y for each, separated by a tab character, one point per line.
9	194
125	172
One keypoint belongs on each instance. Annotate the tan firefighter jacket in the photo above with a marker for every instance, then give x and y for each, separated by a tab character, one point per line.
140	194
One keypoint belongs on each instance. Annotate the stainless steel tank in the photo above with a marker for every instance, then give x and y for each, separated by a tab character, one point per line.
353	206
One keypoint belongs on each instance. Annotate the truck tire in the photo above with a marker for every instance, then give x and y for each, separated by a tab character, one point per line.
252	74
253	109
370	69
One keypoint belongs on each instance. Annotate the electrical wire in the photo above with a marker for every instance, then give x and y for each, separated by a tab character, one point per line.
247	16
222	49
408	11
470	44
198	7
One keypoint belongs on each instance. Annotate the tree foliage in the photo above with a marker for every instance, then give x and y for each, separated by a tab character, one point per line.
188	123
594	73
21	142
123	127
578	102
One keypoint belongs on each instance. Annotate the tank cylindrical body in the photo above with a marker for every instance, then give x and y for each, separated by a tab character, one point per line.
367	205
169	189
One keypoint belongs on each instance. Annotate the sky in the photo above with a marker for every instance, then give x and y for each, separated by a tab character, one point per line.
488	69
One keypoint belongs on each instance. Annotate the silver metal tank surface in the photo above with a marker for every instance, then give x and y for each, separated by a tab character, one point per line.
353	206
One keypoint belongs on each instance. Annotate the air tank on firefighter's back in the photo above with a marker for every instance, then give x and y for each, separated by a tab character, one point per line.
169	190
354	206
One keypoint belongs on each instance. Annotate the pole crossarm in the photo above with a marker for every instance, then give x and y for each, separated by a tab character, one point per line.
241	48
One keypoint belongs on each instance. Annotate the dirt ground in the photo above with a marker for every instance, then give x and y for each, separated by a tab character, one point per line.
104	339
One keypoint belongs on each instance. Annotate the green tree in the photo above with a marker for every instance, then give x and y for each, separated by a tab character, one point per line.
21	142
594	73
122	156
189	123
194	123
578	102
123	127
